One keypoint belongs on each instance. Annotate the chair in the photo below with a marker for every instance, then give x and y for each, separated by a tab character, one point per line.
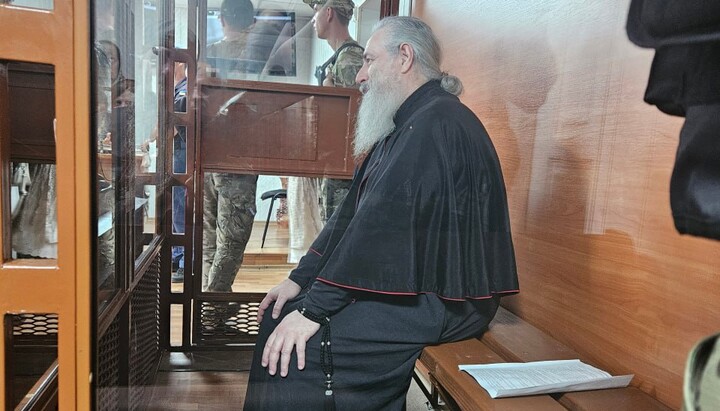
273	194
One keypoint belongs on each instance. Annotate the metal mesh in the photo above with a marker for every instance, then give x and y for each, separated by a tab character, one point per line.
144	335
222	323
31	347
108	374
25	325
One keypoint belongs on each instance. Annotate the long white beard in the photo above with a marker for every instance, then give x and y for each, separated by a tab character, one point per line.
375	116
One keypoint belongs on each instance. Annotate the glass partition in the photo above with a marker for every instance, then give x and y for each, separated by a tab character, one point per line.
256	227
126	74
256	87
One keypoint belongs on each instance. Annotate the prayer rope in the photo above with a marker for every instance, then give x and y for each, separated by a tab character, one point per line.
326	360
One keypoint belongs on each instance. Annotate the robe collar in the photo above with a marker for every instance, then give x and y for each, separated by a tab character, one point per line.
418	98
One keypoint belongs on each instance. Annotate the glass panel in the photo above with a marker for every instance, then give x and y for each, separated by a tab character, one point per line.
176	325
30	358
33	189
178	268
288	45
181	24
126	120
243	43
180	150
265	233
180	81
179	194
146	64
33	4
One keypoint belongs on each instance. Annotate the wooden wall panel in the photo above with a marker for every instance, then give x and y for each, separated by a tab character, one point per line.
587	165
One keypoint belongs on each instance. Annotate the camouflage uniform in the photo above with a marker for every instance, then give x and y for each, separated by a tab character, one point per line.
344	71
228	214
229	199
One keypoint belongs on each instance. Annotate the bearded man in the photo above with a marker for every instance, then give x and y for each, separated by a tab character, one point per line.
418	253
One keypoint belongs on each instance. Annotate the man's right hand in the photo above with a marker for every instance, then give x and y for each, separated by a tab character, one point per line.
280	294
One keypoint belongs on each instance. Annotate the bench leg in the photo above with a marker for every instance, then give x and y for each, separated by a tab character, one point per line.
431	395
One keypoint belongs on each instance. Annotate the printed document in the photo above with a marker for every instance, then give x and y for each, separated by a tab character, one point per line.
542	377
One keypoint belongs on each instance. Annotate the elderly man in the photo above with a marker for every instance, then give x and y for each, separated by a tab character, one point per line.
418	253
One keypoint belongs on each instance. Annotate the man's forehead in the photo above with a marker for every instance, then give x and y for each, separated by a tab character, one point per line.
376	42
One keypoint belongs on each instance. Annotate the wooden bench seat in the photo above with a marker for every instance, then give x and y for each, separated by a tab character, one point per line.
460	388
511	339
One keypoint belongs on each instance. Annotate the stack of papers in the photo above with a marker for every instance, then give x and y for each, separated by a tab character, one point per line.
542	377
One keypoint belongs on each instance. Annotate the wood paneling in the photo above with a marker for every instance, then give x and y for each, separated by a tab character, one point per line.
278	129
587	166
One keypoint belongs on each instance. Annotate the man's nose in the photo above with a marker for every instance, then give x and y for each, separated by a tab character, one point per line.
361	76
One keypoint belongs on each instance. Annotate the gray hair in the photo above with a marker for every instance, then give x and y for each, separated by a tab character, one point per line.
426	47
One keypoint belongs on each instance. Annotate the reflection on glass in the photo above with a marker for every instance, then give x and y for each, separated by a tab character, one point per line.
179	194
34	214
33	189
125	118
273	45
178	268
151	212
33	4
30	357
180	150
241	41
181	24
105	63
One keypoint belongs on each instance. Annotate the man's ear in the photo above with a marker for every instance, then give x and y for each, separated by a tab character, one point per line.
329	14
407	57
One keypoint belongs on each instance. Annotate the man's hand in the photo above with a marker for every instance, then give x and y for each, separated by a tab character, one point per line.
329	79
280	294
293	331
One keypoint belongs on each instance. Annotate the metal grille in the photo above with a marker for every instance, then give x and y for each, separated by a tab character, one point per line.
144	335
30	327
31	347
108	378
221	323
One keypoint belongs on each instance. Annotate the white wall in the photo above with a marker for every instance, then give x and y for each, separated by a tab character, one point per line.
266	183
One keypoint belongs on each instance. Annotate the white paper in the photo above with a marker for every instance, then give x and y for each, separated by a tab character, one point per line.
542	377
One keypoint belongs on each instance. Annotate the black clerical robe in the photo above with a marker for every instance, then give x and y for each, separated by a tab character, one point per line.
417	254
426	213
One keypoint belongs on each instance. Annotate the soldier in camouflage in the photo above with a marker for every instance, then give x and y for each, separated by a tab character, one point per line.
331	23
228	214
229	198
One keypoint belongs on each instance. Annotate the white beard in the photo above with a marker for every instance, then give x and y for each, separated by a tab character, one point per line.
381	99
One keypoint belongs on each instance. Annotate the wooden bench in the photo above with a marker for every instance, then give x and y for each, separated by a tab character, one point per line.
510	339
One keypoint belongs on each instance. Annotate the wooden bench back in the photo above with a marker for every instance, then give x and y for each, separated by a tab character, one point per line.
587	166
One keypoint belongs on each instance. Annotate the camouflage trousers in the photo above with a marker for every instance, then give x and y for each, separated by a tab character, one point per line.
332	194
228	214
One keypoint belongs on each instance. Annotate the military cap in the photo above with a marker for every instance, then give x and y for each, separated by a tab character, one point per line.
343	7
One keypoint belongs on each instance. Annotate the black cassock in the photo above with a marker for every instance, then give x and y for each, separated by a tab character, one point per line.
417	254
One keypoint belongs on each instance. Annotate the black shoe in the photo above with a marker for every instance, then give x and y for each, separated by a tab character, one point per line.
178	276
